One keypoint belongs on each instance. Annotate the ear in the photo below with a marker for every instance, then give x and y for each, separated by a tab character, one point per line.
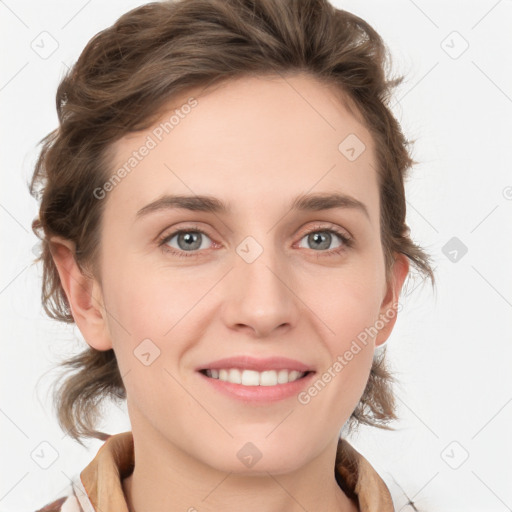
389	307
83	293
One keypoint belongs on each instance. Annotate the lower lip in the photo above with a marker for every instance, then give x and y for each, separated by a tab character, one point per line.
260	393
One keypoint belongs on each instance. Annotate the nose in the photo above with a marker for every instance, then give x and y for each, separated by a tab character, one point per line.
259	294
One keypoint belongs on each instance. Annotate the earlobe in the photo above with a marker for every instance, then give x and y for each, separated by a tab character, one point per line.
389	308
83	294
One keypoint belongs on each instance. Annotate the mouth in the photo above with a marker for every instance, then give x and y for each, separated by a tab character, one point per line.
254	378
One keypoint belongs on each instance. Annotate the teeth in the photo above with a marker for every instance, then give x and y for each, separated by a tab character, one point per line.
235	376
254	378
249	378
282	377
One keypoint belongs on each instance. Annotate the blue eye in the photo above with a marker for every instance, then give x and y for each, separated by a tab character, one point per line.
188	240
191	241
322	238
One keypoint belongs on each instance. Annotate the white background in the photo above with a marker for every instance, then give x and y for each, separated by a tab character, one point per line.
451	350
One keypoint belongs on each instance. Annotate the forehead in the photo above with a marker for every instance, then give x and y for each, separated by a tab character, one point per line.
249	140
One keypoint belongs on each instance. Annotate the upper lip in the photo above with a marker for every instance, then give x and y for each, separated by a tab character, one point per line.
256	364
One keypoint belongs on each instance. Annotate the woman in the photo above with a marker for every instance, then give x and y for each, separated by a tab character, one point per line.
223	217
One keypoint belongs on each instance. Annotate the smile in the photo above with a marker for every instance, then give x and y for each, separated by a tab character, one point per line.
254	378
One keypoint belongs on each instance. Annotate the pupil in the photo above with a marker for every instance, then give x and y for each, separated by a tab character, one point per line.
190	239
317	237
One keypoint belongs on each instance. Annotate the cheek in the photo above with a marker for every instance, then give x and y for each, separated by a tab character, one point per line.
338	386
154	315
148	303
349	319
347	303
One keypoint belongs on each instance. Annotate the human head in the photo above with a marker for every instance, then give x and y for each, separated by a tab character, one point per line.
124	78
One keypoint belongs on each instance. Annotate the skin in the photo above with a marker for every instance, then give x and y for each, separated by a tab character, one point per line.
255	143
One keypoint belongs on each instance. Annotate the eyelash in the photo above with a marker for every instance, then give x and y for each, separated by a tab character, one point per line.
347	241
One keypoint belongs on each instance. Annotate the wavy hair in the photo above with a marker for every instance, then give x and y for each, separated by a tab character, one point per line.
123	79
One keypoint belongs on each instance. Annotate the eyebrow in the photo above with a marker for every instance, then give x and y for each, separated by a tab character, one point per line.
203	203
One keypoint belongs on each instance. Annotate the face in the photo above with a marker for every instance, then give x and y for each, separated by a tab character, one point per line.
249	274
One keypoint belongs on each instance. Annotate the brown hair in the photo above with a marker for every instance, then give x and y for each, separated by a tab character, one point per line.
128	72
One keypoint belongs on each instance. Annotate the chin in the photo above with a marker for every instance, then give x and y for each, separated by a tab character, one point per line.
258	457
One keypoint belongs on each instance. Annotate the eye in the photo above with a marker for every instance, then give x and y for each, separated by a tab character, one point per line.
192	241
320	238
185	241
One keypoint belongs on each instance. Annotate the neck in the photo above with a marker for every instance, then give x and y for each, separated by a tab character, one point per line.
167	479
